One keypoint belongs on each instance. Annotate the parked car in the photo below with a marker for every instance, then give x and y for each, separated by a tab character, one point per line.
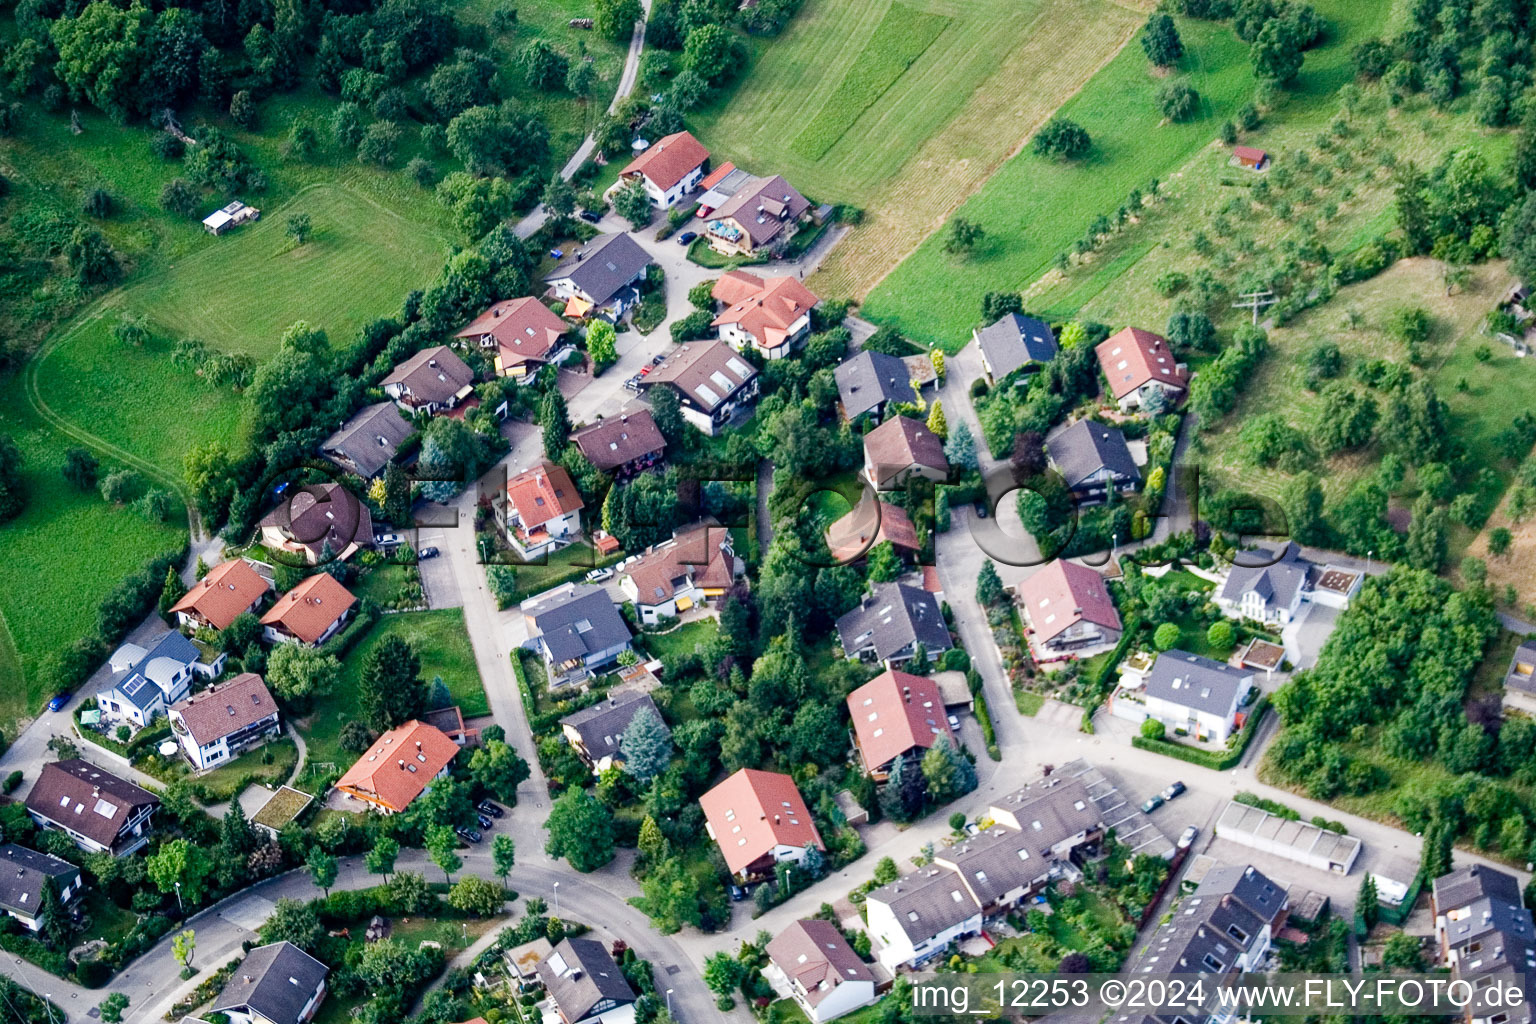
469	835
738	894
981	509
486	821
427	552
658	360
633	383
1187	837
1153	803
646	369
598	575
1177	789
954	723
590	217
687	237
388	540
487	807
58	701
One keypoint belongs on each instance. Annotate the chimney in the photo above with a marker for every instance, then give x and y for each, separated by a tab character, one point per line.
418	744
906	694
402	764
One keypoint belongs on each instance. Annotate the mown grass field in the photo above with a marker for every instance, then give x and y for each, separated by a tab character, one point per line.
439	639
1034	208
994	73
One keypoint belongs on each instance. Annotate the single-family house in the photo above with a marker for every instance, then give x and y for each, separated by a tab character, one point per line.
1136	363
309	614
1012	343
1265	585
697	564
1520	680
99	811
146	682
1068	610
1225	927
1195	694
595	732
713	382
367	443
225	592
399	767
772	315
759	819
1484	931
669	168
895	715
522	333
870	381
585	984
577	629
318	523
903	447
1093	459
814	965
601	278
224	721
624	444
761	213
431	381
543	511
1035	831
277	983
872	522
25	878
888	625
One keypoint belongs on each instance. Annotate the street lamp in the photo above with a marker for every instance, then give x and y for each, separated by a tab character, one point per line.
669	1002
179	907
557	899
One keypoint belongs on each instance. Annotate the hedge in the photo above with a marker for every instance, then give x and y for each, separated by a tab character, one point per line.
343	642
1097	686
1219	761
984	716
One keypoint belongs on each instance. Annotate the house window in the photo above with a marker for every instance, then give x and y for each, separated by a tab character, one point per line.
1237	933
1211	962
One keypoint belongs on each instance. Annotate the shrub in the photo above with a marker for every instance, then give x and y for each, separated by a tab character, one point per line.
12	781
1166	636
1062	139
1178	101
1153	729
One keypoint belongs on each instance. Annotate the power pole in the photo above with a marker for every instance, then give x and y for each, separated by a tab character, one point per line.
1255	301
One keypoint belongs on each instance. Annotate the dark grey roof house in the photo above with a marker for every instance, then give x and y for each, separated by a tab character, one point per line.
577	628
888	625
1482	924
1014	342
1187	691
595	732
1226	925
583	980
601	275
1091	457
274	984
24	874
99	811
366	442
870	381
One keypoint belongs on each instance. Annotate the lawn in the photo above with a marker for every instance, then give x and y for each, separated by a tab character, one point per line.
1035	207
230	780
439	639
572	562
685	639
843	121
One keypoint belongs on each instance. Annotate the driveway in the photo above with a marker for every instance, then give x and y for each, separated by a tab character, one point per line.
1306	635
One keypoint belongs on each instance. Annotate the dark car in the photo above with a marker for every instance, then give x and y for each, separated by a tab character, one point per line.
738	894
590	217
486	807
427	552
486	821
686	237
1153	803
469	835
58	701
1177	789
658	360
981	509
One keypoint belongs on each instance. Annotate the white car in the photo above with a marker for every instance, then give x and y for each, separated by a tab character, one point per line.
598	575
954	723
1187	837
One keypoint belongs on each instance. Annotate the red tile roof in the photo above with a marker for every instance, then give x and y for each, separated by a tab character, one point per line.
400	765
702	552
850	537
227	708
668	161
311	608
542	493
752	812
766	311
815	954
1063	593
1249	153
717	175
227	590
524	329
1134	357
896	712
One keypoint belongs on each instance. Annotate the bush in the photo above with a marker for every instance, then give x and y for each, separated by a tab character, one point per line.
12	781
1153	729
1166	636
1178	101
1062	139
